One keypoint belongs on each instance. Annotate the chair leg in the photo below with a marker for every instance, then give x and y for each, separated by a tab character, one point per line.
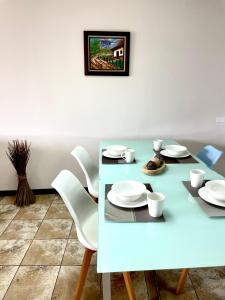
128	283
181	281
83	273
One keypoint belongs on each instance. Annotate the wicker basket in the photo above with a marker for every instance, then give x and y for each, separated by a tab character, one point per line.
154	172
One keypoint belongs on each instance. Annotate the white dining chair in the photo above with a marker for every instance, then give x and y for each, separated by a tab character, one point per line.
84	212
89	168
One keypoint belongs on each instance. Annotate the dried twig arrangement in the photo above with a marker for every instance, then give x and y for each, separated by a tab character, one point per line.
19	154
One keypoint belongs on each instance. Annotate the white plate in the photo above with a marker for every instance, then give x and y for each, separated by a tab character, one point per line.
142	201
106	154
204	194
165	153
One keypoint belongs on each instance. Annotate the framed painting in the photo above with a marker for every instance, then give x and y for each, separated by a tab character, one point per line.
106	53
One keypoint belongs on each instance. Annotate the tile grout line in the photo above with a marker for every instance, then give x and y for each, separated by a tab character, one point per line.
62	257
11	282
193	286
11	219
146	282
33	238
25	251
157	285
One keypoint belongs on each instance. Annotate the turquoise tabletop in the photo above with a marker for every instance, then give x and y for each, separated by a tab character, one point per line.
188	238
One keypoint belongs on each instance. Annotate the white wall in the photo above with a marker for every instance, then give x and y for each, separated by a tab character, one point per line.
176	86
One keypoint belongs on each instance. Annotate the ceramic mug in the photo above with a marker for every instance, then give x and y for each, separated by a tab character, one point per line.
197	177
157	145
128	155
155	204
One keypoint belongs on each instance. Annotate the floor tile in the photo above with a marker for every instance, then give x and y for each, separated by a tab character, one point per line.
3	225
8	212
74	254
33	282
21	229
45	252
119	291
6	274
58	199
8	200
13	251
44	199
66	282
32	212
209	283
167	281
73	233
58	211
54	229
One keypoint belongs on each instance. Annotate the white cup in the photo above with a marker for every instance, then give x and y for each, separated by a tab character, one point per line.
128	155
197	177
157	145
155	204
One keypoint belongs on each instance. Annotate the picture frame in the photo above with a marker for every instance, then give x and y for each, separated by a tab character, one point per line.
106	53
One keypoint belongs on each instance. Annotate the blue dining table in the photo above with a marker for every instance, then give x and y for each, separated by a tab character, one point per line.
188	238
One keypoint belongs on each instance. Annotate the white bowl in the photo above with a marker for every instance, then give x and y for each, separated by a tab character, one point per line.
176	149
116	150
128	190
217	189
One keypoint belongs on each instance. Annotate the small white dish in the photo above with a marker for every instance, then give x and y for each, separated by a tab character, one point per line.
116	150
176	149
128	190
205	195
216	189
106	154
165	153
114	199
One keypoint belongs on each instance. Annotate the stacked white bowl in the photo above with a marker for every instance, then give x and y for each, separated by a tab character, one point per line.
176	149
216	189
116	150
128	190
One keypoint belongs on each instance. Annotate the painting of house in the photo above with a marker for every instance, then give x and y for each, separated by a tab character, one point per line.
106	53
118	50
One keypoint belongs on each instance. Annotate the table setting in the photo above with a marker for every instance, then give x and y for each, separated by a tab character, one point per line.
173	154
209	194
118	154
132	201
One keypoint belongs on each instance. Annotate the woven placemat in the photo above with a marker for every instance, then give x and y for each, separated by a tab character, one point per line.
171	160
210	209
120	214
115	161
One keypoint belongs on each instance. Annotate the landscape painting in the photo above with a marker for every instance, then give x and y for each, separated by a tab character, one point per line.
106	53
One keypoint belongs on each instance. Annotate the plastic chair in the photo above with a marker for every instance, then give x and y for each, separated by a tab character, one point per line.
84	212
89	168
209	155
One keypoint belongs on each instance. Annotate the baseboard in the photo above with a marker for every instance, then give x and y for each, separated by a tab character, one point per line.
35	191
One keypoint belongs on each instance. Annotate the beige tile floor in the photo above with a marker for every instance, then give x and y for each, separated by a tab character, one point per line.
40	258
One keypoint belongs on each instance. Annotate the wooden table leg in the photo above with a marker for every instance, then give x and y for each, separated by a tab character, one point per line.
129	286
181	281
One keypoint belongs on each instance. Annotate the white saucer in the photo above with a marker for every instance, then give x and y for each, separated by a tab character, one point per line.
142	201
165	153
106	154
204	194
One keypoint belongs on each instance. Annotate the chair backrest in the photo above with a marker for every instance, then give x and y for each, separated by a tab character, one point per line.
89	168
79	203
209	155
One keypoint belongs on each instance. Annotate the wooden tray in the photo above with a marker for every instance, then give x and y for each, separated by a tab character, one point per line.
154	172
